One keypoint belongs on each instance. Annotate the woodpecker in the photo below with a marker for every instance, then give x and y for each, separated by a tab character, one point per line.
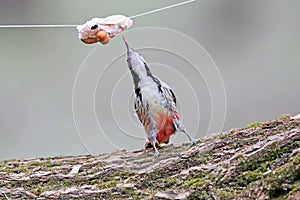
154	103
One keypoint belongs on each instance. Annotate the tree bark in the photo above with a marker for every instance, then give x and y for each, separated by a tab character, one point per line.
261	161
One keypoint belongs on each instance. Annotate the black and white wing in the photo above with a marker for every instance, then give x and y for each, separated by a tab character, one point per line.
140	108
168	93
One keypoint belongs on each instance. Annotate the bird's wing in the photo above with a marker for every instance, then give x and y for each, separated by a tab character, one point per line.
168	93
171	98
140	109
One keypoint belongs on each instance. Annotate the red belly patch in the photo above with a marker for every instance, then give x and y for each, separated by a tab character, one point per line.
165	128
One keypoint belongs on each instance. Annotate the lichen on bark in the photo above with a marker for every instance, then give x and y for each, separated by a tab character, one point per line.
260	161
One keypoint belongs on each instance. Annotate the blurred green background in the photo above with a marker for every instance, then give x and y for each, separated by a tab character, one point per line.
255	45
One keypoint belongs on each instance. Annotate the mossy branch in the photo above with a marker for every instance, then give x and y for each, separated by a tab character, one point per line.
260	161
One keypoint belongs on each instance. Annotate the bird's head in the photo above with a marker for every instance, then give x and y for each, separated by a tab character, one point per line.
136	62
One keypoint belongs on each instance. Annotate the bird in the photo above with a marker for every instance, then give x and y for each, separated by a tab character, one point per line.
154	103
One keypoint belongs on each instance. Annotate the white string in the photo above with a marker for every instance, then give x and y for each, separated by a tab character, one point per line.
160	9
74	25
39	26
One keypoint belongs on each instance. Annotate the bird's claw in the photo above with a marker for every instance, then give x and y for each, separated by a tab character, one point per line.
193	142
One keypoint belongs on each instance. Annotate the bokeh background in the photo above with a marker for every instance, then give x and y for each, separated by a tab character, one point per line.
255	46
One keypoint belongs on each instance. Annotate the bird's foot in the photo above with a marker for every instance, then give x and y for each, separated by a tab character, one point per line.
193	142
155	149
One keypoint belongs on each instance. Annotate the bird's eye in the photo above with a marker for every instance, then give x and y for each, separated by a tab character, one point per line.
94	27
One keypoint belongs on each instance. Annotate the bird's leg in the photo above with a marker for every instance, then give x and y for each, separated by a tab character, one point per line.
180	127
152	139
193	141
156	151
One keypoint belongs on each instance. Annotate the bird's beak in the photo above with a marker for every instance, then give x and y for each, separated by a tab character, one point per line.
127	46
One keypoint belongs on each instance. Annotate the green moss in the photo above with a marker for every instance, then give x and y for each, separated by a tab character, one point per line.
202	158
252	170
225	193
56	182
94	181
241	176
296	188
297	159
196	183
167	183
269	154
52	182
249	177
284	117
222	136
265	166
123	174
128	193
12	169
107	184
157	174
280	183
199	194
255	125
22	169
131	192
44	164
39	189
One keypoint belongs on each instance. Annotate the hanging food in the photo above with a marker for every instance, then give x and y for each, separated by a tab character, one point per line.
102	29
